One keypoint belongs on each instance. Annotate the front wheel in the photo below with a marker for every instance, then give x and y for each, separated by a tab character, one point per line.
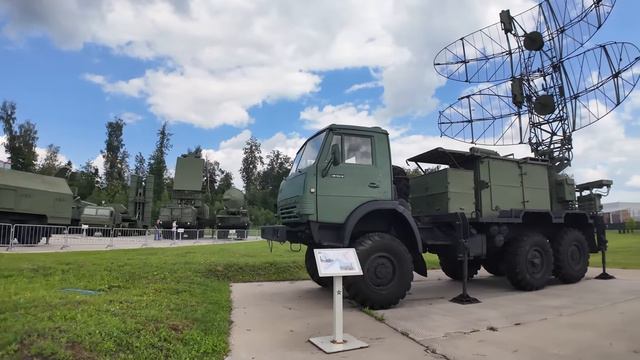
312	270
387	270
529	262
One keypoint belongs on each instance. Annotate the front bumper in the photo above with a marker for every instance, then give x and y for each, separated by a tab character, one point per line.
274	233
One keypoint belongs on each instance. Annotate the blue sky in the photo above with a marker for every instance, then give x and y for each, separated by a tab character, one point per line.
276	70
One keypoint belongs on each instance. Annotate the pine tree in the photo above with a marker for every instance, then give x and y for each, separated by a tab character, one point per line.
20	144
115	161
140	167
51	162
251	162
157	161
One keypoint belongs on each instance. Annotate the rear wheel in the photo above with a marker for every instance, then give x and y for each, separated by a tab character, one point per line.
529	261
312	269
570	256
241	234
452	267
387	270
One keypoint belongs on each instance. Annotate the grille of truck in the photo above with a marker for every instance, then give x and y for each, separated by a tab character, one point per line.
289	213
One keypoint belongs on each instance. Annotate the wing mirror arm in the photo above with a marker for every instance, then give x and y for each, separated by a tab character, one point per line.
334	160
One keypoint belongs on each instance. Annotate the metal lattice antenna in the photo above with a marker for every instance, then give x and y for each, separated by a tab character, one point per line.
547	94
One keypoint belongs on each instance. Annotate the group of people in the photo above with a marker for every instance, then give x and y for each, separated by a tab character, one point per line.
158	230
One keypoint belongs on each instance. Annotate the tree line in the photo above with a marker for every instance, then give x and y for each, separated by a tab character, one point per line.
260	174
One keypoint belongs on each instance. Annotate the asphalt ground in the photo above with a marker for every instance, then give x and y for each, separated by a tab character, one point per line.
593	319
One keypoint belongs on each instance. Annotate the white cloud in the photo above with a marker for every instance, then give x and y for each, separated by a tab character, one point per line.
220	58
229	152
130	117
3	154
366	85
634	181
98	162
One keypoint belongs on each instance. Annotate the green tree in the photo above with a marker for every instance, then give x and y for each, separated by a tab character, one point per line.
251	163
20	144
51	162
226	182
157	162
115	162
85	180
140	166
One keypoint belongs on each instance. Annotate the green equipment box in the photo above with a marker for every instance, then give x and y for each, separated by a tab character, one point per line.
444	191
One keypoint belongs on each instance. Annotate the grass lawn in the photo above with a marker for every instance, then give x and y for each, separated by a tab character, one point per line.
152	303
623	253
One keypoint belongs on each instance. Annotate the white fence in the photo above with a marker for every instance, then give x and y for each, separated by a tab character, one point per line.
83	237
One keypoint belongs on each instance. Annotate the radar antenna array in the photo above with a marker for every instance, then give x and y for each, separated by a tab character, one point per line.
545	89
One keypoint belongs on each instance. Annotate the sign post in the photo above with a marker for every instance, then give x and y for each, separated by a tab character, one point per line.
337	263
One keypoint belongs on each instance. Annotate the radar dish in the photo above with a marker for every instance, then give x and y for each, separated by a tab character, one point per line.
487	55
542	95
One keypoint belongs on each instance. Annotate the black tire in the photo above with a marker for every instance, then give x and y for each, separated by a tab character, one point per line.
387	271
241	234
223	234
494	263
529	261
401	182
312	270
452	267
570	256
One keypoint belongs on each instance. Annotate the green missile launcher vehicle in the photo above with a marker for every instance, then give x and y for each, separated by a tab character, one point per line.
33	199
187	209
233	216
517	218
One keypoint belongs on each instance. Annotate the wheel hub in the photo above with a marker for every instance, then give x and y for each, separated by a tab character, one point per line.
381	271
574	256
535	262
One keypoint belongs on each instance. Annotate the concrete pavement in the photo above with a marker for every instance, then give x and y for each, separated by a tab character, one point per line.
589	320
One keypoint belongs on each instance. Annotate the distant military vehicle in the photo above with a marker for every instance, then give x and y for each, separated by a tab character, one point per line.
27	198
117	215
187	208
233	216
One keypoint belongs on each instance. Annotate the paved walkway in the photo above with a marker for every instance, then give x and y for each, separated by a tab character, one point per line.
589	320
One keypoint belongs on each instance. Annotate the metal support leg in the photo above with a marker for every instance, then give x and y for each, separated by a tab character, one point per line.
464	298
604	275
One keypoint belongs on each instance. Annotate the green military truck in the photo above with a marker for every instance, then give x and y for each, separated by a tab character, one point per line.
32	199
187	208
233	216
514	217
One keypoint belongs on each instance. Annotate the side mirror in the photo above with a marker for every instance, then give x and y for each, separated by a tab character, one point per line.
333	160
335	154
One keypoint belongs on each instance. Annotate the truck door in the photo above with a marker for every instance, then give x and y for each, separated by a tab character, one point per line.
362	175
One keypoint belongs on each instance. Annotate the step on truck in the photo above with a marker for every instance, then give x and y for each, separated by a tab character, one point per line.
517	218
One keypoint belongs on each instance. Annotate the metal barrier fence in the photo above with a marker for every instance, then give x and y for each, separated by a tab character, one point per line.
62	237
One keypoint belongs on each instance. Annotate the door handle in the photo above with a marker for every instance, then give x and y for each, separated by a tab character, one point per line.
373	185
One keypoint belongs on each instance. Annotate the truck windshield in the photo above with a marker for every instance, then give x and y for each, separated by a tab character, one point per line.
308	154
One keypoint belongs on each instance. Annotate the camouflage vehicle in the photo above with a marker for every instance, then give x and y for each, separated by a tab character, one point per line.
514	217
233	216
27	198
187	209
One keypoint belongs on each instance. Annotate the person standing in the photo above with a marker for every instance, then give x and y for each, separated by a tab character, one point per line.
174	228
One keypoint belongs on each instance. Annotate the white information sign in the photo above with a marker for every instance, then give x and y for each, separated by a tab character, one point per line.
180	230
337	262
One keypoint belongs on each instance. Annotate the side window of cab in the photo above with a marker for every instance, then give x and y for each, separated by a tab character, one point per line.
357	150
